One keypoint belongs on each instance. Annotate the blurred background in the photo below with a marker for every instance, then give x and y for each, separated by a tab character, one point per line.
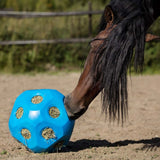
51	57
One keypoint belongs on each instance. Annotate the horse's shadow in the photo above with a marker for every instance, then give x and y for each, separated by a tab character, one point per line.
149	144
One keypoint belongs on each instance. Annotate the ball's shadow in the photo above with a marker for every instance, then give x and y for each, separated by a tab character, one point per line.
149	144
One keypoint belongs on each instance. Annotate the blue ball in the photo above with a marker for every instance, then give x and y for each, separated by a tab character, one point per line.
39	120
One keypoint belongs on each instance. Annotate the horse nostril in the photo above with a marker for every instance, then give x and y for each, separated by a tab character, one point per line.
73	110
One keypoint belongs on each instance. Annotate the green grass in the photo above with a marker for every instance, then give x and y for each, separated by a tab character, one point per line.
4	152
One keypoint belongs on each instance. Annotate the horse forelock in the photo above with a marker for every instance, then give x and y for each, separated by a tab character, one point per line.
125	42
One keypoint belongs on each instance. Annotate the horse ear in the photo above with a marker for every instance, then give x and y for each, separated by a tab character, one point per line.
109	16
151	37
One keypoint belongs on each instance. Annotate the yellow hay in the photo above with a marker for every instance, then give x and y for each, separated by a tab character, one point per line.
19	113
54	112
26	133
48	133
37	99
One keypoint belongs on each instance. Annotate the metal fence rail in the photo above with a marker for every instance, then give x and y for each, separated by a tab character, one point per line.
53	41
45	14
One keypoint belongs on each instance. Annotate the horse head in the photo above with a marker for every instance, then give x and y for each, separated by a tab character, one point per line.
121	37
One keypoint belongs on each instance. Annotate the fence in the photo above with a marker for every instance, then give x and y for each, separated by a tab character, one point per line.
50	14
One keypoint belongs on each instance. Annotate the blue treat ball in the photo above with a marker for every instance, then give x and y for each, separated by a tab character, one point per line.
39	120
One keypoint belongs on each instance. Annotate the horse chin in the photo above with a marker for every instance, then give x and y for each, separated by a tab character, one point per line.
74	110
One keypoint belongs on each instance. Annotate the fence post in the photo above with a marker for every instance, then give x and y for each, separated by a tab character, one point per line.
90	18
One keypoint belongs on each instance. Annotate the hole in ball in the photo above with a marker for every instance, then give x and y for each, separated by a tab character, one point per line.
19	113
54	112
48	133
26	133
37	99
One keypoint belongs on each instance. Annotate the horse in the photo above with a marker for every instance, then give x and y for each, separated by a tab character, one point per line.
119	43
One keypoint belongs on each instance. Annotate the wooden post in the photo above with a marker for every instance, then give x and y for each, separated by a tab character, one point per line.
90	18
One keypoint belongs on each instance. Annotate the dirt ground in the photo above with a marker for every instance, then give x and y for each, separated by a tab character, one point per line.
93	137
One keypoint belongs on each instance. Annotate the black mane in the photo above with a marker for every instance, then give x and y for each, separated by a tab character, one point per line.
125	42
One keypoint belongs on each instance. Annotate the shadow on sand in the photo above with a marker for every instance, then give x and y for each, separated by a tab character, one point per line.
149	144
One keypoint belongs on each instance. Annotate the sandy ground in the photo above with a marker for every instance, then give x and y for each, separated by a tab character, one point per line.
93	137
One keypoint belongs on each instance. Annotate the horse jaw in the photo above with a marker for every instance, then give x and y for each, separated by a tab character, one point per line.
77	102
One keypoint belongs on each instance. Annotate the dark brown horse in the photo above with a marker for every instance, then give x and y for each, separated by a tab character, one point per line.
123	31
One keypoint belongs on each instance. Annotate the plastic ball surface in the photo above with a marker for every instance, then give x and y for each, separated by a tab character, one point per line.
39	120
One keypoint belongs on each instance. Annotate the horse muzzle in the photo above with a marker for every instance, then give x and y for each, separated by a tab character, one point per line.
74	110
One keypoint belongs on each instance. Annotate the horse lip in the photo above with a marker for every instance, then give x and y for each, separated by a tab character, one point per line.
73	113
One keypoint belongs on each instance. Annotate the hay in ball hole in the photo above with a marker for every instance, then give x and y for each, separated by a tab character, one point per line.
48	133
26	133
19	113
59	145
37	99
54	112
